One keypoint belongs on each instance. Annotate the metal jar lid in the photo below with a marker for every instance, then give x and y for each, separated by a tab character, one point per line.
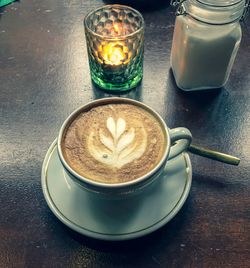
213	11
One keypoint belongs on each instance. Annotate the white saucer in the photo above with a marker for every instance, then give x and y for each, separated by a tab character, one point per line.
116	219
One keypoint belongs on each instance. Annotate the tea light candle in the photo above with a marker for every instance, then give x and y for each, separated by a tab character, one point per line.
115	53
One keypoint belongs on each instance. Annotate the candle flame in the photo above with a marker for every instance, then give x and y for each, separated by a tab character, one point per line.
116	27
113	54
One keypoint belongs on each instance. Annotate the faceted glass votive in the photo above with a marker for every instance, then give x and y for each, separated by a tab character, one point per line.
115	39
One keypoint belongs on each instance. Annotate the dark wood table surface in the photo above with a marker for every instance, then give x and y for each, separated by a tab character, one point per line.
44	75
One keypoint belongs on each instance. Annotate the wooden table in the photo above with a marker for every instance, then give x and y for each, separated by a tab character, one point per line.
44	75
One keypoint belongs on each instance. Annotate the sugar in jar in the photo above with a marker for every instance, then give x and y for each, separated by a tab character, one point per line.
206	39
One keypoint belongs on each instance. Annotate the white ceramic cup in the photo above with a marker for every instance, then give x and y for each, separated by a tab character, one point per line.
177	141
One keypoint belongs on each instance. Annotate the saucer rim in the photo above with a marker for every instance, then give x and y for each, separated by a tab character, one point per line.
112	237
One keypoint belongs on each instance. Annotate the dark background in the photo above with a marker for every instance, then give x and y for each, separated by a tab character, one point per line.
44	75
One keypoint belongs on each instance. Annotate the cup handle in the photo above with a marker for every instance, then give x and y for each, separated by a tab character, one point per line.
180	138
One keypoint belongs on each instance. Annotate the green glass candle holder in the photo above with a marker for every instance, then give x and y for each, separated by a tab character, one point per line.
115	40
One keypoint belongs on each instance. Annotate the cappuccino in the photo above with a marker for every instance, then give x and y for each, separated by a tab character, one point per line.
114	143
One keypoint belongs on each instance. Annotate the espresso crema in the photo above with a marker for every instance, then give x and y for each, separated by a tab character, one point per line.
114	143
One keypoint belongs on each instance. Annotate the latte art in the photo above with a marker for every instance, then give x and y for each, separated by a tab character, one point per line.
121	147
113	143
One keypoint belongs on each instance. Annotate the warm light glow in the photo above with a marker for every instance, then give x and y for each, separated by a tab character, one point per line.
114	53
116	27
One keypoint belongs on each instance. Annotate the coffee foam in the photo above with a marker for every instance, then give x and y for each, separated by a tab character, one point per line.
114	143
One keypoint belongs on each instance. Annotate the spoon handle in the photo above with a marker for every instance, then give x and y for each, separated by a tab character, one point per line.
225	158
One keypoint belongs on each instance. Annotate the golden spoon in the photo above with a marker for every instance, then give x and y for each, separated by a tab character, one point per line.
205	152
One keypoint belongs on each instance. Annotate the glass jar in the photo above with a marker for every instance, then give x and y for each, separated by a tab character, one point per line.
206	39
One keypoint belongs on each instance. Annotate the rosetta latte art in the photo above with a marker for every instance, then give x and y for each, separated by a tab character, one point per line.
120	147
114	143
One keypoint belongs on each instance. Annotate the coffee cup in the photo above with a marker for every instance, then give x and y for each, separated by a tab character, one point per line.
116	147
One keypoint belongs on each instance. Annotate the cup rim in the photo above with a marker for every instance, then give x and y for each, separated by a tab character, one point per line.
126	184
121	37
